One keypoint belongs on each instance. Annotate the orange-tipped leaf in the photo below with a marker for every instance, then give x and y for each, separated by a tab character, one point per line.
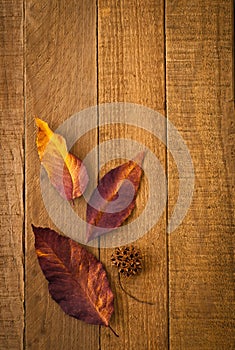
66	172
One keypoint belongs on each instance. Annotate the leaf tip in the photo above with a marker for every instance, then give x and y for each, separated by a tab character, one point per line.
43	127
93	232
88	239
40	123
36	231
140	157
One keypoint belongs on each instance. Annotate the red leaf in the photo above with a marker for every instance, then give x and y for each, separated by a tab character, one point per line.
114	198
77	280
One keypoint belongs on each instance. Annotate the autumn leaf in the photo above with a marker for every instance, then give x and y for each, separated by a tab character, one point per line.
77	280
66	172
114	198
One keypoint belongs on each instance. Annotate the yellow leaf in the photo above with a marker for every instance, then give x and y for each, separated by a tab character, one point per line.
66	172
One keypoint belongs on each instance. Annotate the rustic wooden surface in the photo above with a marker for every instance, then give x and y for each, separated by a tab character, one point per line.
61	80
128	59
176	58
11	175
201	256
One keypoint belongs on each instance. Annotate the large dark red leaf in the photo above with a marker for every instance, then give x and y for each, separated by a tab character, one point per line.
77	280
114	198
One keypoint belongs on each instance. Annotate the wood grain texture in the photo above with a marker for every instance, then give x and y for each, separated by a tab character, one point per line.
11	175
131	69
152	53
61	80
199	86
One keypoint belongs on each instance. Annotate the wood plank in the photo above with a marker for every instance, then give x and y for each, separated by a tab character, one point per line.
11	175
199	86
131	69
61	80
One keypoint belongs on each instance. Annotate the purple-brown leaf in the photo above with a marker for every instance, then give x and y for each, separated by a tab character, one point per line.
114	198
77	280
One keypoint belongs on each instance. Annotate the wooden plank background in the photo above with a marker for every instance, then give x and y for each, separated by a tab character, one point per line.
176	57
199	87
61	70
11	175
125	62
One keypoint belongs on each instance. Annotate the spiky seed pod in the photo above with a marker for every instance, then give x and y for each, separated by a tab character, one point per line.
128	260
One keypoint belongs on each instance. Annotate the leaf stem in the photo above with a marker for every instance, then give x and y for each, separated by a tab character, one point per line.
132	296
113	331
